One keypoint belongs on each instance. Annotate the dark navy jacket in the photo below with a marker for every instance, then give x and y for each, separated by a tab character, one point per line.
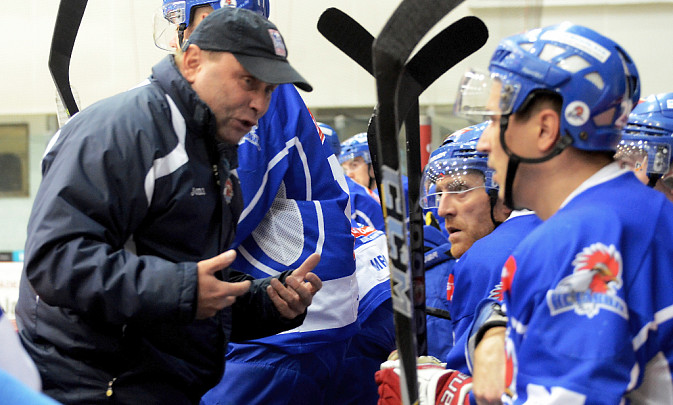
135	192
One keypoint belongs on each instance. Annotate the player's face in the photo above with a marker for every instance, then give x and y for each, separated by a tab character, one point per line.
516	137
358	170
489	142
236	98
467	214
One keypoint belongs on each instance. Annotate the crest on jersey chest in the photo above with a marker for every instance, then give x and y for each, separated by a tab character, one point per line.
593	285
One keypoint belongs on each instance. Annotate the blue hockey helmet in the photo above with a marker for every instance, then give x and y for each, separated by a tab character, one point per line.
175	16
258	6
649	134
355	146
171	20
595	78
448	164
180	12
331	137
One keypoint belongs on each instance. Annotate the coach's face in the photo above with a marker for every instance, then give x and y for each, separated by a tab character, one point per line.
237	98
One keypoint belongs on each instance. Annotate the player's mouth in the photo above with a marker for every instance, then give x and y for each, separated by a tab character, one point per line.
453	232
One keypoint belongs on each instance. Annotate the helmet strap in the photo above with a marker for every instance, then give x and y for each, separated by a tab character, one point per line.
493	199
514	159
181	34
653	178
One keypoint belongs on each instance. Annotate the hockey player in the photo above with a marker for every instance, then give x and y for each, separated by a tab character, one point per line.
357	163
458	183
365	208
647	142
468	213
296	203
477	274
582	294
375	338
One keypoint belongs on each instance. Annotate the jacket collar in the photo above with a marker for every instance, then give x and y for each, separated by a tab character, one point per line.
198	116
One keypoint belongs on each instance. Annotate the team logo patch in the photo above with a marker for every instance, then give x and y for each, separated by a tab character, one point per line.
228	3
593	285
577	113
278	44
253	138
228	192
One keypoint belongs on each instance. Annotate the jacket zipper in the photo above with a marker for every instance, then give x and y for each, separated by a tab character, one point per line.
109	391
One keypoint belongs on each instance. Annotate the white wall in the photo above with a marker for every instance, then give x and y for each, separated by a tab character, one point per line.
114	48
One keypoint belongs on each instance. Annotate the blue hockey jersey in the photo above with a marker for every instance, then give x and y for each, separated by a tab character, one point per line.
438	264
590	312
365	206
476	276
296	204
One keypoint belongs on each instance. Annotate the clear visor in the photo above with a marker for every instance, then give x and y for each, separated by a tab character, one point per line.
650	156
482	95
451	176
167	20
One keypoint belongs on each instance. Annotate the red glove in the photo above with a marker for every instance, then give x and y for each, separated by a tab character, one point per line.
436	384
389	387
453	389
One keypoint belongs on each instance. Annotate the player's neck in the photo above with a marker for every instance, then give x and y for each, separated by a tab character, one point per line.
549	184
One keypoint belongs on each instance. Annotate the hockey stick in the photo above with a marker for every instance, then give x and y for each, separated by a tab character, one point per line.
348	35
452	45
445	50
409	23
68	20
449	47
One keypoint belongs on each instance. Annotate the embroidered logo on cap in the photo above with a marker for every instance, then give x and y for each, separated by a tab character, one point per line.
278	44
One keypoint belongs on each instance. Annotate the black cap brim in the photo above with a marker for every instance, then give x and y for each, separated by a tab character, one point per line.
273	71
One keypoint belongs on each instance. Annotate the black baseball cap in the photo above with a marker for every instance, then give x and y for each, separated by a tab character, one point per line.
253	40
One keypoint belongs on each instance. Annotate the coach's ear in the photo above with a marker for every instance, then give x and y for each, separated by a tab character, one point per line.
190	62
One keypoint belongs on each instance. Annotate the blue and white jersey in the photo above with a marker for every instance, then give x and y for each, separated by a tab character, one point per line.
373	273
476	276
365	206
296	203
590	311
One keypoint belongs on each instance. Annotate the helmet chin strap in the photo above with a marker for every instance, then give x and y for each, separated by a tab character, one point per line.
515	159
653	178
181	34
493	199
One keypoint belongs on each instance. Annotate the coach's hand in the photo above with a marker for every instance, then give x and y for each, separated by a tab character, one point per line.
214	294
